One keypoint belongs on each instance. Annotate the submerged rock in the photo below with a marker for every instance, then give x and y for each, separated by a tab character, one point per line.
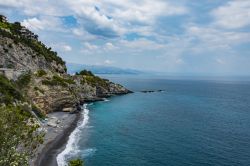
152	91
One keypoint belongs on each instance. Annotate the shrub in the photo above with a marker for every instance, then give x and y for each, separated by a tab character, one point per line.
38	89
85	73
58	81
10	45
10	65
49	83
76	162
41	73
5	50
95	81
8	91
18	140
24	80
38	112
69	81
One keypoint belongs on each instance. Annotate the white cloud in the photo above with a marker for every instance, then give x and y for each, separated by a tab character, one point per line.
34	24
37	7
141	44
109	46
145	11
88	15
44	23
78	32
109	18
67	48
179	61
235	14
216	37
120	17
220	61
83	34
108	62
13	3
99	21
89	46
62	47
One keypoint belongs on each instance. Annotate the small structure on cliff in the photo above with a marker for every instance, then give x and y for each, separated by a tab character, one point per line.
3	19
28	34
22	30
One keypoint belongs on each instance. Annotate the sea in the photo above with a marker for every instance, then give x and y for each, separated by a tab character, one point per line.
193	121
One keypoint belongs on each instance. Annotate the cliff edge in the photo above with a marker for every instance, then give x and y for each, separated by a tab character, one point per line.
40	75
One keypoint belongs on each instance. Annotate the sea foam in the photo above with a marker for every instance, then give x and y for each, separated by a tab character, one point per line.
72	148
106	100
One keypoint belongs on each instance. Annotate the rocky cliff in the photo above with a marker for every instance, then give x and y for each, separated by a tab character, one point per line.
52	91
44	82
20	56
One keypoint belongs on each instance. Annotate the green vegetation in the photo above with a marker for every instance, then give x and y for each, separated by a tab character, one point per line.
38	112
10	65
76	162
6	26
91	79
95	81
19	136
41	73
24	80
85	73
38	89
58	81
8	91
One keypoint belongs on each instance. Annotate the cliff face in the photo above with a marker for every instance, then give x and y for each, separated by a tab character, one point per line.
19	56
53	92
43	81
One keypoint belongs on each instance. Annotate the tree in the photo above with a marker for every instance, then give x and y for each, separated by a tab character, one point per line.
76	162
86	73
16	27
18	136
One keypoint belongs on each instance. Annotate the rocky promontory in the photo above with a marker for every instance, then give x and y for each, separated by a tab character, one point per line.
48	87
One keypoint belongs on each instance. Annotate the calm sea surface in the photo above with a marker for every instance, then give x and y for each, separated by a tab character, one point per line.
193	122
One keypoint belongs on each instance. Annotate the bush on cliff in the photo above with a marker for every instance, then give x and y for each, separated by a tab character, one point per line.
18	136
85	73
91	79
8	91
58	81
41	73
95	81
24	80
76	162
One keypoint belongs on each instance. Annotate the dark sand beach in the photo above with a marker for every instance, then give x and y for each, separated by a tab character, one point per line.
56	137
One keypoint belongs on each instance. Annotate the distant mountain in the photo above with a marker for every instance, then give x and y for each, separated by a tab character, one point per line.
96	69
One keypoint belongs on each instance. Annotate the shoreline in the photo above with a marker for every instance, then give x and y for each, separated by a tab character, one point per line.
50	149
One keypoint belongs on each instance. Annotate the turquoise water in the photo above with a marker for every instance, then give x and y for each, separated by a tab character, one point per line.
193	122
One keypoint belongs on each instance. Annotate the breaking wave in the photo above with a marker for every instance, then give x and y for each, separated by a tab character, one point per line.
72	148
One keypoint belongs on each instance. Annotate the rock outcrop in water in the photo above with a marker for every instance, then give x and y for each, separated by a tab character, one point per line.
152	91
42	79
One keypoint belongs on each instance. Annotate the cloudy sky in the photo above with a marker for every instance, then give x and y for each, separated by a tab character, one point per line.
181	36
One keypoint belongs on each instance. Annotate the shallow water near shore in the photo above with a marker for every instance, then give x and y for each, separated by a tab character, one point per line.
192	122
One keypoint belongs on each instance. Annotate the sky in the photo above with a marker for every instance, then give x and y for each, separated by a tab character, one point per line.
181	36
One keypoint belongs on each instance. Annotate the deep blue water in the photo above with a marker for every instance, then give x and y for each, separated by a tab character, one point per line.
193	122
